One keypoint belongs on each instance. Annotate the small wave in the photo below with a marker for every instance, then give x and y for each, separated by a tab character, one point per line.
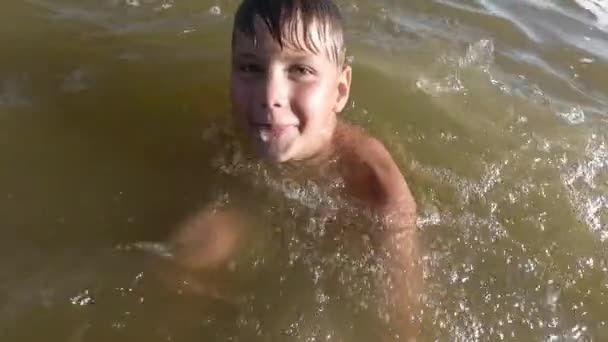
538	22
599	8
130	16
460	6
561	10
419	25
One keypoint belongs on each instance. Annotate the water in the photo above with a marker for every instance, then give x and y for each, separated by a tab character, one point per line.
113	121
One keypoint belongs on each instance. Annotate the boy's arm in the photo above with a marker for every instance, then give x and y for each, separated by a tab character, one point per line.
398	237
208	239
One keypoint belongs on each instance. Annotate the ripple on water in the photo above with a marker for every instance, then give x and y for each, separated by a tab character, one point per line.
133	16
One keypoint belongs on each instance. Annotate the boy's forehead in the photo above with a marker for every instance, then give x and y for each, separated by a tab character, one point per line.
295	39
262	40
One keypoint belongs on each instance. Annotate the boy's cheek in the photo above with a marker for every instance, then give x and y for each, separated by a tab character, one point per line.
239	100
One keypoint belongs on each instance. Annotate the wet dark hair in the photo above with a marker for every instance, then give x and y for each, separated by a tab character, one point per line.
310	25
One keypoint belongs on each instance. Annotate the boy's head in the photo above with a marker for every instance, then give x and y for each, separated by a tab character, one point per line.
289	77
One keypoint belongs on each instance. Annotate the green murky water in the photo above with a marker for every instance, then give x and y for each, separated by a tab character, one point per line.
112	121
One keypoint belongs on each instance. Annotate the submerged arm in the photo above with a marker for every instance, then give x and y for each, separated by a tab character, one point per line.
397	239
202	245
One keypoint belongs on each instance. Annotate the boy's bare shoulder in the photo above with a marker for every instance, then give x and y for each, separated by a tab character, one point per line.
372	167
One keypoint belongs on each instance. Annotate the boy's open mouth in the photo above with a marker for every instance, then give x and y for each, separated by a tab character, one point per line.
268	131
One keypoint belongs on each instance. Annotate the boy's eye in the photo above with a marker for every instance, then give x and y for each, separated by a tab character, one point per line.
301	70
250	68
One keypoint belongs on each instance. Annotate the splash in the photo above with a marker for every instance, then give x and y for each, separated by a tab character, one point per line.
82	299
479	56
585	181
574	116
448	85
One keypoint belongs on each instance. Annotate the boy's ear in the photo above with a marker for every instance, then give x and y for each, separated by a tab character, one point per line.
344	81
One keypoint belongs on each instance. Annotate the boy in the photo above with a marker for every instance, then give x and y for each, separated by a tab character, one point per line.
289	81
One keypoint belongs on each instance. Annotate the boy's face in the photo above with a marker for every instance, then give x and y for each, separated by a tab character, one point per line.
286	98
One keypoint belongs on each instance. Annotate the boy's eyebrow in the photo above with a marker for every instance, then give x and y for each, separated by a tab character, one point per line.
247	55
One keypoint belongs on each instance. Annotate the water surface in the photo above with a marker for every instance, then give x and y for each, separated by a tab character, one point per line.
114	127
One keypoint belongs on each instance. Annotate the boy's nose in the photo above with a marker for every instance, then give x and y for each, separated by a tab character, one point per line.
275	91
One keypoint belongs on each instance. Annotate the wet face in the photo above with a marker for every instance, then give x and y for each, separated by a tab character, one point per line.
286	99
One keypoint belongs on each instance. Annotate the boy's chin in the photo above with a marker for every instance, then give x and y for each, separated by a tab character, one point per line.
277	158
274	155
277	151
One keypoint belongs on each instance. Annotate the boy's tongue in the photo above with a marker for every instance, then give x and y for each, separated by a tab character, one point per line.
272	131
